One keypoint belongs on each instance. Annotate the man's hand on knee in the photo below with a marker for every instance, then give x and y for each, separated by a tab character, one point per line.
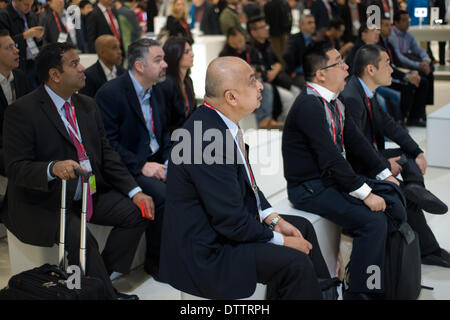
374	202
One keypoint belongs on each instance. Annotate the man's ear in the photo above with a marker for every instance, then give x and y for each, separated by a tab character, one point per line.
230	97
139	66
54	75
320	75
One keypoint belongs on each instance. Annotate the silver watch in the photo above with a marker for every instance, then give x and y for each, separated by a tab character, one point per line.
274	222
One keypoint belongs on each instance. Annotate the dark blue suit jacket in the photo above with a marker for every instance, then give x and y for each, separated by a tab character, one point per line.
125	124
211	221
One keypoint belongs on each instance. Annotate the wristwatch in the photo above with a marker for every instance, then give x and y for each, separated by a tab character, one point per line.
274	222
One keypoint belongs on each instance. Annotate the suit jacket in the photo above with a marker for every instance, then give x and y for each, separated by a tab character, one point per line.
175	105
20	89
96	25
125	123
51	34
293	53
211	220
95	78
381	126
32	142
347	17
11	21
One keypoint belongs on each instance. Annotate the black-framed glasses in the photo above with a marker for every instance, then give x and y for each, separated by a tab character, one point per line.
340	64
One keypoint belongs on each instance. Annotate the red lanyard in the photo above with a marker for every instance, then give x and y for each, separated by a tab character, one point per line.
247	56
252	178
57	22
331	117
371	118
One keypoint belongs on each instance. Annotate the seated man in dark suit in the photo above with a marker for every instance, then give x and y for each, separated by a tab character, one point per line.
107	67
47	134
13	81
132	108
317	135
371	70
220	234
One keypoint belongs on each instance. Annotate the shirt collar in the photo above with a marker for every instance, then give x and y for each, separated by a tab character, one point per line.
367	91
101	7
57	100
230	124
398	32
140	91
106	70
3	79
324	92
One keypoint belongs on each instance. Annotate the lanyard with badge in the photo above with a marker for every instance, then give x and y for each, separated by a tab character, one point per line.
62	37
249	169
85	163
333	125
154	145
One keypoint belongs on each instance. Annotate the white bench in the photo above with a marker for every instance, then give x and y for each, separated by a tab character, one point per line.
438	131
24	256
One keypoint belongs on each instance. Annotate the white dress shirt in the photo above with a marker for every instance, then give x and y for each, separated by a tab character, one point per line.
110	74
7	84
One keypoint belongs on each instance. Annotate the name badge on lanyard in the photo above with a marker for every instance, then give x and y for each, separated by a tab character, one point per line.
62	37
31	44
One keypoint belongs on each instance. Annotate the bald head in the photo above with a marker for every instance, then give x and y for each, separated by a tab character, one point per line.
108	50
222	74
232	88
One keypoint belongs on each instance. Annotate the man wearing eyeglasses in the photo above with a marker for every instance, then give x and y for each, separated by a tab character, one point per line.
13	81
317	133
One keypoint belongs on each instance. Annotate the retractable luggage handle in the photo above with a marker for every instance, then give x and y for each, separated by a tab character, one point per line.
62	227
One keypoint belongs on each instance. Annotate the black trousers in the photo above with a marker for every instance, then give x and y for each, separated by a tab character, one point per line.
111	209
416	218
157	190
369	229
289	273
413	100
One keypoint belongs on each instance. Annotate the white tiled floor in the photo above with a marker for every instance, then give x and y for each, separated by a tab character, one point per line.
437	180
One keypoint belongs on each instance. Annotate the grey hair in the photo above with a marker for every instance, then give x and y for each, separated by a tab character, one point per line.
138	50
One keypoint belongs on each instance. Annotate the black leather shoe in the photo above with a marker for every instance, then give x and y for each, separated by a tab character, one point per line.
424	199
124	296
442	260
416	123
151	266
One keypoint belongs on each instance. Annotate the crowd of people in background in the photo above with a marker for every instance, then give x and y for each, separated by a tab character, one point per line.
140	91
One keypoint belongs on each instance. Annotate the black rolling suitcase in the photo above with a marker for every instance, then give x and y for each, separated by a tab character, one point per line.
49	282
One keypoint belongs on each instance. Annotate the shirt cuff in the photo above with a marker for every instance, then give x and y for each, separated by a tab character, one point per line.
133	192
265	213
49	176
362	192
384	174
277	239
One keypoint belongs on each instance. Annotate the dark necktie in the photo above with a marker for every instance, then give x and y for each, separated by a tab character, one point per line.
337	123
81	156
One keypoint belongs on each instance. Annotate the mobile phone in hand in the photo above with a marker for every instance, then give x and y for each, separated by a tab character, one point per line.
144	211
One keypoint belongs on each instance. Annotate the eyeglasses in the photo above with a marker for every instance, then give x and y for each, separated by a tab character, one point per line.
340	64
12	46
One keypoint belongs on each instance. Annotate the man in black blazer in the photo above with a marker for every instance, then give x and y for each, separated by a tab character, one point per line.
217	242
47	134
57	26
372	69
318	134
296	46
107	67
102	20
133	108
13	81
22	24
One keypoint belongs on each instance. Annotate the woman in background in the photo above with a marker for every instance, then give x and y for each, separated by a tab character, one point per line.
176	21
178	88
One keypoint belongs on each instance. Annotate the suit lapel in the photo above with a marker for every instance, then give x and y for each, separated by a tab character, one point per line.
133	99
49	109
100	71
